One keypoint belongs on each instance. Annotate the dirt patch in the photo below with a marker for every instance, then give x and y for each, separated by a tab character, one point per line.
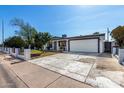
9	58
105	55
87	60
109	64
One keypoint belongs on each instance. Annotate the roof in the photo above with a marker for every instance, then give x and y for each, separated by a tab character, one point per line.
80	37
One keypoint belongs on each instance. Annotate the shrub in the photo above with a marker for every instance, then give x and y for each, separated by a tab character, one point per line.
14	41
118	35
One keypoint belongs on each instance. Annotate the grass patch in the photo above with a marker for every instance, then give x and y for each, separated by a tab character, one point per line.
38	53
47	53
35	53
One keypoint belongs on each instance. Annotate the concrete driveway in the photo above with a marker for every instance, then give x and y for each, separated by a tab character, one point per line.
67	64
25	74
85	67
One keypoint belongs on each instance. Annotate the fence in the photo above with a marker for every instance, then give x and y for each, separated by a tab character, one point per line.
115	51
119	54
24	54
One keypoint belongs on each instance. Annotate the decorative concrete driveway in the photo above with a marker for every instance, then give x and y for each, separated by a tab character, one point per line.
82	67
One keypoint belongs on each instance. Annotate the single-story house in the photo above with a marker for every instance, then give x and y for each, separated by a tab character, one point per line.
87	43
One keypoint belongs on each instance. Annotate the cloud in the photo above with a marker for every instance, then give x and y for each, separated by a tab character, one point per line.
69	20
81	18
90	17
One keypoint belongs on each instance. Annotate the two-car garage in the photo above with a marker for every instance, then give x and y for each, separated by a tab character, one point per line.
84	45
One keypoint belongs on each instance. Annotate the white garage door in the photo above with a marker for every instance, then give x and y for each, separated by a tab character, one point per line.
88	45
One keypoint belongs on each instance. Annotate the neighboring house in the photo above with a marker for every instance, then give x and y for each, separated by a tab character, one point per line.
87	43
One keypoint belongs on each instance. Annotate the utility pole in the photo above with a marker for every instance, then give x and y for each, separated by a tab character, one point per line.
30	36
108	34
30	39
2	24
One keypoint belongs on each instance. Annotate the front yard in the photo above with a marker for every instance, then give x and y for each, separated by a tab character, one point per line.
39	53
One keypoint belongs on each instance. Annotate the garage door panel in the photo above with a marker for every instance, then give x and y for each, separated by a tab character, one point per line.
89	45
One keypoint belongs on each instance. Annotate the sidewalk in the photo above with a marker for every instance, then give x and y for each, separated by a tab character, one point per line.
34	76
8	79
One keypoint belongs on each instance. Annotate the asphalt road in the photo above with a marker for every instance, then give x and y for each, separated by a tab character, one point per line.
8	79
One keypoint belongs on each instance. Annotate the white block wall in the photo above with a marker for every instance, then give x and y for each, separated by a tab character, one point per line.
101	46
121	55
57	45
27	54
113	50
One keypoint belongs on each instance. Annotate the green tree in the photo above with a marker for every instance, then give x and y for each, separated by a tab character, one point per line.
15	41
118	35
7	42
26	31
41	39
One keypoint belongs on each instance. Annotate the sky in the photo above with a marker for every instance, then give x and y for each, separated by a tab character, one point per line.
57	20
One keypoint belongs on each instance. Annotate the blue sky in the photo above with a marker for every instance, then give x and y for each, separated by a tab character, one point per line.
58	20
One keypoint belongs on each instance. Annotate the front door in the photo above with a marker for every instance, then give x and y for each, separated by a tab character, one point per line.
62	45
107	47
